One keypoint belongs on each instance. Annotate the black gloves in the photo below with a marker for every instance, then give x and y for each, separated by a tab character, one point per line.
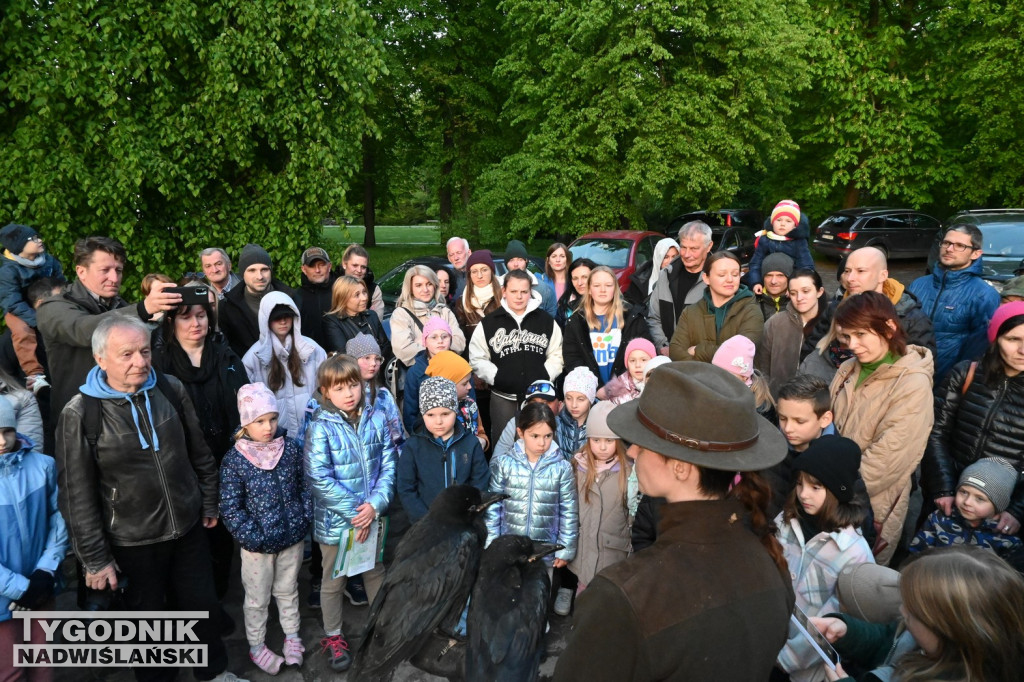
40	590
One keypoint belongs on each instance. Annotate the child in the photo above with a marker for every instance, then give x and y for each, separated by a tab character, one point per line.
736	356
578	391
25	261
34	538
630	384
788	235
818	532
440	453
365	350
982	494
350	467
540	484
265	504
454	368
284	360
540	391
437	337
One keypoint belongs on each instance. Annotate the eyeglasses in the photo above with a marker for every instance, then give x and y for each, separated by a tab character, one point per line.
959	248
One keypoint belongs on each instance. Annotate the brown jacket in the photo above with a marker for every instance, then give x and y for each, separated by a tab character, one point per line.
704	602
778	351
604	525
889	416
696	327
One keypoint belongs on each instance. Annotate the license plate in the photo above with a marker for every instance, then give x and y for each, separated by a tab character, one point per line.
827	236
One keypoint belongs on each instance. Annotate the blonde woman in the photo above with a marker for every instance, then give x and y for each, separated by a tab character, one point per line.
420	300
349	316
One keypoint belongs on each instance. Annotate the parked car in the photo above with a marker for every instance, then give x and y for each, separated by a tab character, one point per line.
726	217
899	232
1002	243
621	250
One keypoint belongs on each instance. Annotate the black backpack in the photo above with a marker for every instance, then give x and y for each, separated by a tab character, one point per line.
94	412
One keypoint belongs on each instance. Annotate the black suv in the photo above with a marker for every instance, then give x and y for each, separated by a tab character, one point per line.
1002	231
899	232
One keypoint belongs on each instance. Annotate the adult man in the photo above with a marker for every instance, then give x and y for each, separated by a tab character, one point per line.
217	268
514	346
680	284
317	280
711	598
137	501
956	298
517	258
777	268
458	252
67	321
355	262
240	308
866	269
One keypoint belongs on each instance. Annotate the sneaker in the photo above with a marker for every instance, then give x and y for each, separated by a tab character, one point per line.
228	677
293	651
336	649
266	660
313	600
563	601
355	592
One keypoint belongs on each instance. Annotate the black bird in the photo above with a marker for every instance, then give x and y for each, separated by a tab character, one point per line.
431	577
508	611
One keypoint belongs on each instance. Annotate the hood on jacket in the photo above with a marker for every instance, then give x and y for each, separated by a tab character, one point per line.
13	458
531	305
303	345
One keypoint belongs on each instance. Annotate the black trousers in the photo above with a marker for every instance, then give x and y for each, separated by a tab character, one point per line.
179	572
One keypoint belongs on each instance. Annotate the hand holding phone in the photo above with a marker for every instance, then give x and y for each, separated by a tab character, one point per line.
817	640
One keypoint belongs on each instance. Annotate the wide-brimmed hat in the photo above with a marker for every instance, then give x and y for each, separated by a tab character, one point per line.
699	413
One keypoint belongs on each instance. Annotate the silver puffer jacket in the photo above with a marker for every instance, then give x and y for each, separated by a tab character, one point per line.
346	466
543	504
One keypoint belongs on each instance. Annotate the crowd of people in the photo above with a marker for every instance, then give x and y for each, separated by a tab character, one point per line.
710	449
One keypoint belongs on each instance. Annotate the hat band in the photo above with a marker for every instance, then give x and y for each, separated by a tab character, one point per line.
694	443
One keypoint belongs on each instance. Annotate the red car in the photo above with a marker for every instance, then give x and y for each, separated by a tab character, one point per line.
621	250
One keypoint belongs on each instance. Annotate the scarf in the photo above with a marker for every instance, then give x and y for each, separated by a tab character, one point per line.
600	466
481	296
206	390
776	237
34	263
96	386
261	455
421	308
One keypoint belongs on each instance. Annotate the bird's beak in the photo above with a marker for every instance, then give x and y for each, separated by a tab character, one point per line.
542	549
486	500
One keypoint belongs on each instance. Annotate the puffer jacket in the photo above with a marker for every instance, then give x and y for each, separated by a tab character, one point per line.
697	326
570	434
889	416
604	524
986	421
26	412
16	276
266	510
426	467
384	403
34	536
577	350
793	245
960	305
291	399
346	466
129	496
543	503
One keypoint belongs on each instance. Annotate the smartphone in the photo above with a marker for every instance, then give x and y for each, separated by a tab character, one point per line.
191	295
817	640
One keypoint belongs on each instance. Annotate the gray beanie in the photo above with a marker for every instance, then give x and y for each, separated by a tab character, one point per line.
362	345
253	254
993	476
438	392
8	420
777	262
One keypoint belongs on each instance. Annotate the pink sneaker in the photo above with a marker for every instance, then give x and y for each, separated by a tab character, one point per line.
293	651
266	660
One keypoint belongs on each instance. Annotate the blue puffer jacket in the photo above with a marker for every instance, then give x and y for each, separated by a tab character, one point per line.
570	435
266	510
414	376
960	305
15	278
385	404
346	466
34	535
543	504
426	467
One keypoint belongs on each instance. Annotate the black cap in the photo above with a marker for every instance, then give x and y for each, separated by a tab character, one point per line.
833	460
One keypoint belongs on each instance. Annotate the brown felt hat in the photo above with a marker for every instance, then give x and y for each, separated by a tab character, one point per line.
699	413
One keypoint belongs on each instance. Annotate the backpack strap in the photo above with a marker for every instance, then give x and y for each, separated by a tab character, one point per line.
969	379
414	318
168	392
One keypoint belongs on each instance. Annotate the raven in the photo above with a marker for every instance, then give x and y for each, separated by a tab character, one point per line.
431	577
508	611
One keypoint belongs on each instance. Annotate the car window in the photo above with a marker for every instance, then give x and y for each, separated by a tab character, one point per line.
391	283
837	222
611	252
926	222
899	221
1003	239
644	251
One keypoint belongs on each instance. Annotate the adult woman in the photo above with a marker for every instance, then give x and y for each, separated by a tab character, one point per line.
981	416
643	281
444	284
420	300
778	353
882	399
569	301
606	324
726	309
556	267
349	316
481	295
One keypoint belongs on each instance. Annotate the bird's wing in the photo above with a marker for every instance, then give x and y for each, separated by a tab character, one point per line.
505	638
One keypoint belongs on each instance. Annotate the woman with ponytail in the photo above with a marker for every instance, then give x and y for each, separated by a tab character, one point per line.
715	582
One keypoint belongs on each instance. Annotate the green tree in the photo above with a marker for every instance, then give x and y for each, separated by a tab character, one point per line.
178	125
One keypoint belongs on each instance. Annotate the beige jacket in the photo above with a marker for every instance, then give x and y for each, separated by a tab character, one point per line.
889	416
604	537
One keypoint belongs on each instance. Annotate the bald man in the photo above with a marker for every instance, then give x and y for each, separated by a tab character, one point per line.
867	270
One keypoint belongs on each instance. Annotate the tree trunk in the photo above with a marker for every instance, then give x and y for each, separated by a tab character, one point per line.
445	198
852	197
369	193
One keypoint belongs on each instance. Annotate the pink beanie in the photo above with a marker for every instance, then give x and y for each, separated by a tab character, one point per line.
254	401
786	207
1002	314
736	356
643	344
435	323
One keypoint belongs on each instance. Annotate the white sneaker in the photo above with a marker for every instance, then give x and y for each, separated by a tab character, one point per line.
563	601
227	676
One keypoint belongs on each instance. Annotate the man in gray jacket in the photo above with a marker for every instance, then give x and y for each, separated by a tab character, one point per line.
679	284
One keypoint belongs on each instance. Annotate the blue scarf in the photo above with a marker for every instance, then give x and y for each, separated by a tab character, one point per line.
96	386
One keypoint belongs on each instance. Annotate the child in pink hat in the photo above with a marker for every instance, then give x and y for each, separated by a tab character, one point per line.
630	384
